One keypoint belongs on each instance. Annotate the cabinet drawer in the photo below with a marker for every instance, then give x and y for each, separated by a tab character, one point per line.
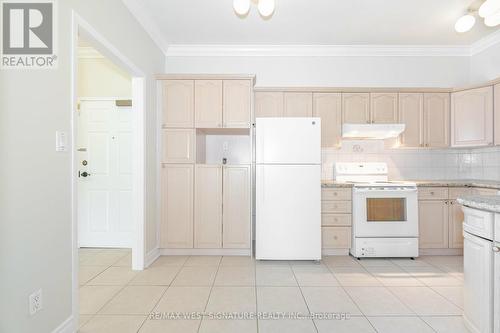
433	193
455	192
336	237
336	206
336	219
336	194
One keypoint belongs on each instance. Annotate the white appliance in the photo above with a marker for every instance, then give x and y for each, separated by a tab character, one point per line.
288	188
384	213
481	271
372	131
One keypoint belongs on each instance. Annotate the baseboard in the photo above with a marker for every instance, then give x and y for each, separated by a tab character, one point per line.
151	256
206	252
67	326
441	252
335	252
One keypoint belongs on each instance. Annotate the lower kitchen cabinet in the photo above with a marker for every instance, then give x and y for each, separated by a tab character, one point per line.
336	237
208	207
177	206
236	216
456	219
433	224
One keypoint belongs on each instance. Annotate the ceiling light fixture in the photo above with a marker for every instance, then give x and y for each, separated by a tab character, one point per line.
465	23
241	7
266	7
492	20
489	8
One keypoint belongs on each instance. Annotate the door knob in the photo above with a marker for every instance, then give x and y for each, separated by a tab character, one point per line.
496	249
83	174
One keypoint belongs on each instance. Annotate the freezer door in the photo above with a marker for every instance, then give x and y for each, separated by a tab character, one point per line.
288	212
288	140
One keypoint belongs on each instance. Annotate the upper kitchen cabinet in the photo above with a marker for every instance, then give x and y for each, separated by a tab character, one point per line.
411	113
384	108
436	119
356	108
178	103
298	104
497	114
237	97
208	103
472	117
328	107
269	104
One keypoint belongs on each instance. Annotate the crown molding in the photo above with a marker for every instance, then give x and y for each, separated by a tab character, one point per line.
147	22
316	50
485	43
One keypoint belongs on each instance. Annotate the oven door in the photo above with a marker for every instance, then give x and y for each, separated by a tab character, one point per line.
385	212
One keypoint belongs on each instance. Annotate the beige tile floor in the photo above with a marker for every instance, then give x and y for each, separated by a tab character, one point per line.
377	295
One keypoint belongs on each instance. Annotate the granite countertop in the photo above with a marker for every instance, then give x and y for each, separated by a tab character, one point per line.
483	202
429	183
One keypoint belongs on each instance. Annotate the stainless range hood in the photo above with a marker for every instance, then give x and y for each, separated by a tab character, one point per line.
372	131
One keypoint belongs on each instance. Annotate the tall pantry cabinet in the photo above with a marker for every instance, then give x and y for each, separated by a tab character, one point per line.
205	202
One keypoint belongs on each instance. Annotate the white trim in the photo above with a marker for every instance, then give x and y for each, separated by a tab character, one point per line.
147	22
80	27
485	43
67	326
205	252
181	50
151	256
335	252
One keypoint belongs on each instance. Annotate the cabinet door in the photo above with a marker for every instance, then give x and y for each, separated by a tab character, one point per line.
237	103
335	237
328	106
497	114
298	104
456	240
177	206
208	207
178	103
411	113
237	207
356	108
433	224
178	145
269	104
384	108
208	103
472	117
436	119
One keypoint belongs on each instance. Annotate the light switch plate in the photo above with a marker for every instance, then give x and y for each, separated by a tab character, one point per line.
35	302
61	141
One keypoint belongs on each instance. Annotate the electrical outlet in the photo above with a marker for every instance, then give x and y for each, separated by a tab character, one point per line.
225	146
35	302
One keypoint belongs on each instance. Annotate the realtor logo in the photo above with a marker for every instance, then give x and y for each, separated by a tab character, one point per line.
28	34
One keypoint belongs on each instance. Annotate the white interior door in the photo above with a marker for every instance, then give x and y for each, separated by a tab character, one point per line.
104	146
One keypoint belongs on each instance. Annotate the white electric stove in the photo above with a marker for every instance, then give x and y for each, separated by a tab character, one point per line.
384	213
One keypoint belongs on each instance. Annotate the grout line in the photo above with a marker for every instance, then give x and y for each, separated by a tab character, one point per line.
303	297
210	293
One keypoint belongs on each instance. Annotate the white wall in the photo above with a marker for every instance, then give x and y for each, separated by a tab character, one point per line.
485	66
35	190
99	77
374	71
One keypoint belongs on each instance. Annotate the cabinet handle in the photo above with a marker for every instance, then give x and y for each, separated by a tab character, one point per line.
432	192
367	121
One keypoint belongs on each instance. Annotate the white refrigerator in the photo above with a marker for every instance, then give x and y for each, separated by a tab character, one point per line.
288	189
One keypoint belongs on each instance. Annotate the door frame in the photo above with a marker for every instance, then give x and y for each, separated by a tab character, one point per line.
83	28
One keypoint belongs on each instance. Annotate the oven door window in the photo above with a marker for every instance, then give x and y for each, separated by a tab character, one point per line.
386	209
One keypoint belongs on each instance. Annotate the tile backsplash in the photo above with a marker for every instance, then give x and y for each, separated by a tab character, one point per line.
417	164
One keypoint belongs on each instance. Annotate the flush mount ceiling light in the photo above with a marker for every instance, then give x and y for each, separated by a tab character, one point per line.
265	7
465	23
492	20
